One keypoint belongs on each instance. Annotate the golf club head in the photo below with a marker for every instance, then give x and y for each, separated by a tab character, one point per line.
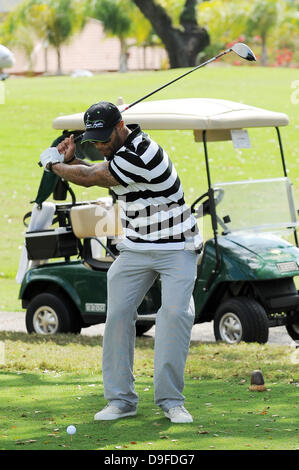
243	51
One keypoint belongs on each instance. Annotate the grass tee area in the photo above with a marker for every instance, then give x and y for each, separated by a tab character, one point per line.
50	383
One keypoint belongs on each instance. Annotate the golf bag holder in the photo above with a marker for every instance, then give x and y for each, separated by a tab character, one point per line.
84	221
53	243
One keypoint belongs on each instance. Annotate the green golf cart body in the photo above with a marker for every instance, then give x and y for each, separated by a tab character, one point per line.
246	274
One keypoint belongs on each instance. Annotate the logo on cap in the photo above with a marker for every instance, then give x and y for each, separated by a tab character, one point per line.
94	124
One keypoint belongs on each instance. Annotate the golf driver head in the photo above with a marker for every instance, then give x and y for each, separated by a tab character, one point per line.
243	51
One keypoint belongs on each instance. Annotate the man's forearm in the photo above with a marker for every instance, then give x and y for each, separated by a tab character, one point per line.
75	173
79	161
85	174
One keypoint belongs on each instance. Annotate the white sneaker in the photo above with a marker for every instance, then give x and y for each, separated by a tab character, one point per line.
111	412
178	414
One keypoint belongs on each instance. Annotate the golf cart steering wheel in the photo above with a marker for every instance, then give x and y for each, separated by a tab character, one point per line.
204	207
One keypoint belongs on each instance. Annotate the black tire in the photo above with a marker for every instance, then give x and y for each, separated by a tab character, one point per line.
293	330
48	314
143	327
241	319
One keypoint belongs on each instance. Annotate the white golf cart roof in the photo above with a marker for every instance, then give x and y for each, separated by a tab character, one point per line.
216	116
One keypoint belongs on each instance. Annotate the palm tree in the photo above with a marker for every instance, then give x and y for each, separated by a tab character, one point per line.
262	19
51	21
65	18
15	34
116	22
35	15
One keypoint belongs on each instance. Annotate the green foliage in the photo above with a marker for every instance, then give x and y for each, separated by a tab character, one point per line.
263	17
60	22
277	25
141	29
173	8
287	35
114	17
225	21
18	30
116	22
268	25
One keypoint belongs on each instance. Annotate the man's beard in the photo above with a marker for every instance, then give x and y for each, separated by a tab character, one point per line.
117	144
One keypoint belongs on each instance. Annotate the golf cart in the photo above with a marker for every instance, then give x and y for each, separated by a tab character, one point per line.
245	282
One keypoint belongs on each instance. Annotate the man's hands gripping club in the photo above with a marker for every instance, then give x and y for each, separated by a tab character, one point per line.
63	153
68	148
52	155
77	171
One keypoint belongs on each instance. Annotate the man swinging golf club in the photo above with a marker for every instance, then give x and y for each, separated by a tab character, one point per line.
161	238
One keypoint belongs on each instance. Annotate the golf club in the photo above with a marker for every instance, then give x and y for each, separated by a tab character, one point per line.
241	49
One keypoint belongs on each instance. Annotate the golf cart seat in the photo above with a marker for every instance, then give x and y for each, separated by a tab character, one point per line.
92	222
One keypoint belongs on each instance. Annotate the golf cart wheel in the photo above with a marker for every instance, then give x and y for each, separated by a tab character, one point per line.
48	314
293	330
241	319
143	328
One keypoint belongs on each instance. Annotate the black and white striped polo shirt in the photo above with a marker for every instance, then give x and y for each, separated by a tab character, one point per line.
154	213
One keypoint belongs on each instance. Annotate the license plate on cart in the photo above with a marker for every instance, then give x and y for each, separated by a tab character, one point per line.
287	267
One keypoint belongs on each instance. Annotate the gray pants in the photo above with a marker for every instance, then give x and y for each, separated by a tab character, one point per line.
129	278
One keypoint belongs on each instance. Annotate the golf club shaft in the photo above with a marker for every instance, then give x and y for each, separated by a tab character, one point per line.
175	80
77	138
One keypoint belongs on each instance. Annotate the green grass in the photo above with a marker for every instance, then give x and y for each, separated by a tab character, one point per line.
32	103
50	383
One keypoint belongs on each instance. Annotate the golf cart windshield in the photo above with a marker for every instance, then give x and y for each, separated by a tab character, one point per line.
257	205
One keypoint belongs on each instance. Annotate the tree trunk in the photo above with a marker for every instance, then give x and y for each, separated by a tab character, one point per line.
182	44
59	71
46	45
123	58
264	58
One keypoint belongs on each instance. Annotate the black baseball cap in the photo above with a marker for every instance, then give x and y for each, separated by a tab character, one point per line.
100	120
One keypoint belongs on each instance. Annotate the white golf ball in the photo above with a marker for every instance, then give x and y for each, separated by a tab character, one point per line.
71	429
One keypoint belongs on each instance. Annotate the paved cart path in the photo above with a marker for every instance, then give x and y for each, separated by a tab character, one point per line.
15	321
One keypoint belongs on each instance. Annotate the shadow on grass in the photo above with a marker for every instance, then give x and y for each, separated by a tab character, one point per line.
143	342
60	339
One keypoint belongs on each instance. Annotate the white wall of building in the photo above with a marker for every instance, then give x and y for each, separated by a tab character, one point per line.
91	50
